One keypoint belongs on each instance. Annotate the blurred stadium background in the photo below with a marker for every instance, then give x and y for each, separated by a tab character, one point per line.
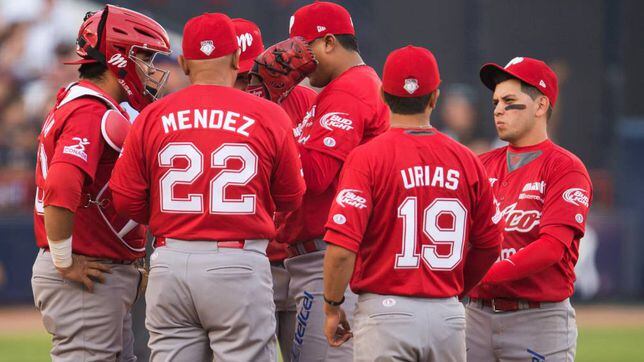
595	46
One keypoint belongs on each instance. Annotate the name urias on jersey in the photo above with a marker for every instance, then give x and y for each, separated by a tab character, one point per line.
434	176
207	119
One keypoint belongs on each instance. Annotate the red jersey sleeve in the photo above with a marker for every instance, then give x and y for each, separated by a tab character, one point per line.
567	200
129	176
352	206
338	125
486	231
80	142
287	186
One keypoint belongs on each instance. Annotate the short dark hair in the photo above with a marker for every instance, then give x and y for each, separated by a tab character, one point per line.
526	88
92	70
348	42
407	105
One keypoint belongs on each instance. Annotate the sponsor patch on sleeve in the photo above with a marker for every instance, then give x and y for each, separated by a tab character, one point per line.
78	149
576	196
351	197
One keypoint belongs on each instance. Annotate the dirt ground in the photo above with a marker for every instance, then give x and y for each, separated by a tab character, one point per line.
25	319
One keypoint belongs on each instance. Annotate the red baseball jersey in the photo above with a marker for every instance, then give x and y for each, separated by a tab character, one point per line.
537	187
211	162
410	203
72	133
295	104
347	113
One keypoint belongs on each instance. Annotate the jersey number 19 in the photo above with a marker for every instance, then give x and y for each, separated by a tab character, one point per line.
453	236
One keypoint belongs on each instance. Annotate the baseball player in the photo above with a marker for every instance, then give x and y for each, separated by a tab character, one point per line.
206	167
296	101
86	274
521	311
348	112
415	214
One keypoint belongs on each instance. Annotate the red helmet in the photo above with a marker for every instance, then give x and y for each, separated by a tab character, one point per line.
126	41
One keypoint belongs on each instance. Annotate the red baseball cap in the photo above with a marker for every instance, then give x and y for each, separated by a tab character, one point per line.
209	36
410	72
249	39
531	71
319	19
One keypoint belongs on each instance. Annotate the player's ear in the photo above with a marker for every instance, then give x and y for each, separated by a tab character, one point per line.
330	42
235	59
433	99
542	106
183	64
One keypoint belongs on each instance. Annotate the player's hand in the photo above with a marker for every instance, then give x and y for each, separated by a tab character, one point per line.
336	326
85	270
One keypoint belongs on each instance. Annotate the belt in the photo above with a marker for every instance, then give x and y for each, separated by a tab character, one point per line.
506	305
138	261
305	247
231	244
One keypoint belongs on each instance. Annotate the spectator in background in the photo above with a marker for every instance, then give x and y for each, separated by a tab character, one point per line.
460	117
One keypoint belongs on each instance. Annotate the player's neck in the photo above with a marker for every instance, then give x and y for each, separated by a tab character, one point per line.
420	120
349	60
109	86
535	137
212	78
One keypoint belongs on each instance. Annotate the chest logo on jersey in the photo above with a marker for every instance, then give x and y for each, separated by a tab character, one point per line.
576	196
336	120
539	187
520	220
78	149
306	123
350	197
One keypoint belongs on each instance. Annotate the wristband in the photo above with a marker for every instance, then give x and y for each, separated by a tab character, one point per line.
61	252
332	303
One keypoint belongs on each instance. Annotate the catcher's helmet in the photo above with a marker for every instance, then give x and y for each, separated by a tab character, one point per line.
116	37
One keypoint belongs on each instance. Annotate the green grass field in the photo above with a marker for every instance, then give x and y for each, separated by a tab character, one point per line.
594	345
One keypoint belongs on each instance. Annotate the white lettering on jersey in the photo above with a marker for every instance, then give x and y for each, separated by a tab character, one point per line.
419	176
520	220
306	122
350	197
78	149
336	120
535	186
492	181
207	119
576	196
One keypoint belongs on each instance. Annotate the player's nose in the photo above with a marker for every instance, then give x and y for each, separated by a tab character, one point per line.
499	109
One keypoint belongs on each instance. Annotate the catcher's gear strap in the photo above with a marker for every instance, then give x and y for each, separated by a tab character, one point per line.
114	126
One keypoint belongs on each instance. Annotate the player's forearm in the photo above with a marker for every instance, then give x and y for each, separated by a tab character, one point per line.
320	170
338	268
135	209
59	225
532	259
479	261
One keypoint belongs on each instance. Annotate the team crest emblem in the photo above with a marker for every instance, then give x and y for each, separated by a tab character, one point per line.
207	47
411	85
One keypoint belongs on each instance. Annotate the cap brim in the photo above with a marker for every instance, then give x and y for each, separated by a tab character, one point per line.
489	74
246	65
80	61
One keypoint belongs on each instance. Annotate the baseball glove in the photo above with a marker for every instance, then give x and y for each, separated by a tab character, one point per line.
280	68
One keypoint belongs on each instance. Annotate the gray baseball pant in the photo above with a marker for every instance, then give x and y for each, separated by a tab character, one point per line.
86	326
206	302
548	333
309	343
284	310
395	328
